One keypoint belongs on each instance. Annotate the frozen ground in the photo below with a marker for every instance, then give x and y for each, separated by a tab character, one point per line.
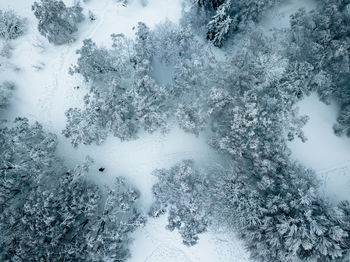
44	91
326	153
218	246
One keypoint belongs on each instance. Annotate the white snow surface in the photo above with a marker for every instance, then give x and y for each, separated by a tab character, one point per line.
326	153
45	90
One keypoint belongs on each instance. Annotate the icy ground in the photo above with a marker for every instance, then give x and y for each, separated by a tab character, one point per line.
326	153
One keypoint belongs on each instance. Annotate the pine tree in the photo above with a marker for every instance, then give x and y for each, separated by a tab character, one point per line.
119	219
181	191
6	89
219	26
209	3
56	21
50	214
94	64
11	25
320	40
27	157
275	207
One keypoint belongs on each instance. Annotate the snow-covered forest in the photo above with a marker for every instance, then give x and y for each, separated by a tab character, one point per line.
175	130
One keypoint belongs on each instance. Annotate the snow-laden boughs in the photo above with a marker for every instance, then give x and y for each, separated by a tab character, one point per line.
219	25
275	207
251	111
320	39
272	202
11	25
27	157
209	3
120	217
84	127
52	222
95	64
126	97
6	90
220	18
181	191
108	107
50	214
57	22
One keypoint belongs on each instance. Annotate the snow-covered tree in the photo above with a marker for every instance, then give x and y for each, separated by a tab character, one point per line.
108	106
209	3
251	111
181	191
52	222
219	25
57	22
27	156
320	39
84	126
150	100
6	89
144	50
124	96
343	121
275	207
95	64
150	104
191	117
218	17
50	214
120	217
11	25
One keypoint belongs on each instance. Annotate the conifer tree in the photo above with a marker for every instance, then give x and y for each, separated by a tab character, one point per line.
56	21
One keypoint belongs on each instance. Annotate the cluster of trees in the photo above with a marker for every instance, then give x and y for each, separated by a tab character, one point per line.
50	214
320	44
275	207
181	191
124	95
272	202
6	90
251	109
57	22
247	105
224	17
11	25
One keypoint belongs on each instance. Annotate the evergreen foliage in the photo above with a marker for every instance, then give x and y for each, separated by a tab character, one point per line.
225	17
247	105
56	21
125	97
252	112
11	25
49	214
275	207
182	191
320	42
6	89
219	26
